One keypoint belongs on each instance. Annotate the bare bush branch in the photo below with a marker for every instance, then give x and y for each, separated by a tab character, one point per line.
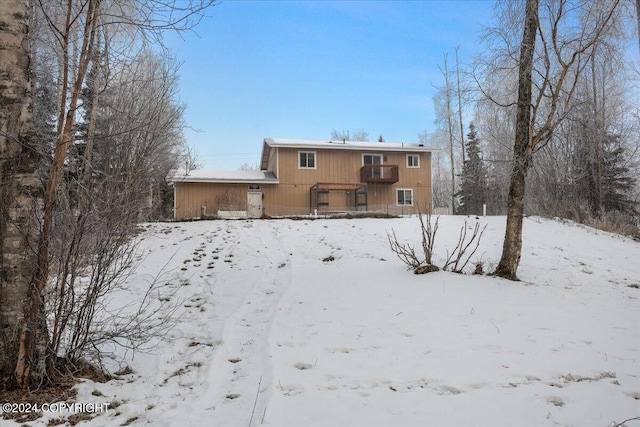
457	255
456	260
624	423
428	236
404	251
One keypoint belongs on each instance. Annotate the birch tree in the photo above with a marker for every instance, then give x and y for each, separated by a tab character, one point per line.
523	147
19	186
77	32
557	37
446	115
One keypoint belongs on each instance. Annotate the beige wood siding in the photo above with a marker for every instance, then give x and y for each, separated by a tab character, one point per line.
343	166
190	196
292	195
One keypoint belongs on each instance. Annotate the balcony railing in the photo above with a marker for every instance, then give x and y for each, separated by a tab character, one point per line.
379	174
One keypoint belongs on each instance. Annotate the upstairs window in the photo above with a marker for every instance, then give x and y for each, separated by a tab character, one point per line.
413	161
372	159
306	159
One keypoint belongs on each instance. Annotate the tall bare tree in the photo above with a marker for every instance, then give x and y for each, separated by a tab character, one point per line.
638	20
459	99
446	115
74	79
19	185
567	34
522	148
72	30
441	180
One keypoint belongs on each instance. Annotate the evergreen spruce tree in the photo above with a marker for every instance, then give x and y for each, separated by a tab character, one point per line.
601	175
473	185
617	183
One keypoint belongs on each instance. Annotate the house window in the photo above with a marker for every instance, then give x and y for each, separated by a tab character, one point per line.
413	161
372	160
404	197
306	159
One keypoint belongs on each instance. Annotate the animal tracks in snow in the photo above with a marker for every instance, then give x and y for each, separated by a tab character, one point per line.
243	361
355	341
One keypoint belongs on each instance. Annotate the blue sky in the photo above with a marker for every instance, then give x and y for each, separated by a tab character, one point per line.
298	69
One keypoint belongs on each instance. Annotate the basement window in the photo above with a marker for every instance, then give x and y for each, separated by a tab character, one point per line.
404	197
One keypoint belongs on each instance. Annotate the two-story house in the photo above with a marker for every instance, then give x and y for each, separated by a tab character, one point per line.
301	177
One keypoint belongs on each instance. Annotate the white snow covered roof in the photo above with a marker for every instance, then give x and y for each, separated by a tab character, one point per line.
203	175
348	145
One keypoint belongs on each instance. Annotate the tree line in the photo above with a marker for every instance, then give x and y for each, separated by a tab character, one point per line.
552	120
544	122
90	128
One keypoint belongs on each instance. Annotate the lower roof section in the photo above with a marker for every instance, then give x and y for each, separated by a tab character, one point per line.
231	177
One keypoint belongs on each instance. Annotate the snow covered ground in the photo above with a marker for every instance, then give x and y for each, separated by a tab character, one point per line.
272	332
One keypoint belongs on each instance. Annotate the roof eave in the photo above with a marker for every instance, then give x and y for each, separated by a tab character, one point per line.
264	157
226	181
337	145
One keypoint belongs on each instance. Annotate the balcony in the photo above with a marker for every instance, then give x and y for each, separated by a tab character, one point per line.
379	174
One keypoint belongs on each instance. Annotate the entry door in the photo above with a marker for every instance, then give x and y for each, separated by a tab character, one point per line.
350	202
254	204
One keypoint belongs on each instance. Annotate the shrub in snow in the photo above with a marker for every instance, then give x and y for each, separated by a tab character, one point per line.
456	260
